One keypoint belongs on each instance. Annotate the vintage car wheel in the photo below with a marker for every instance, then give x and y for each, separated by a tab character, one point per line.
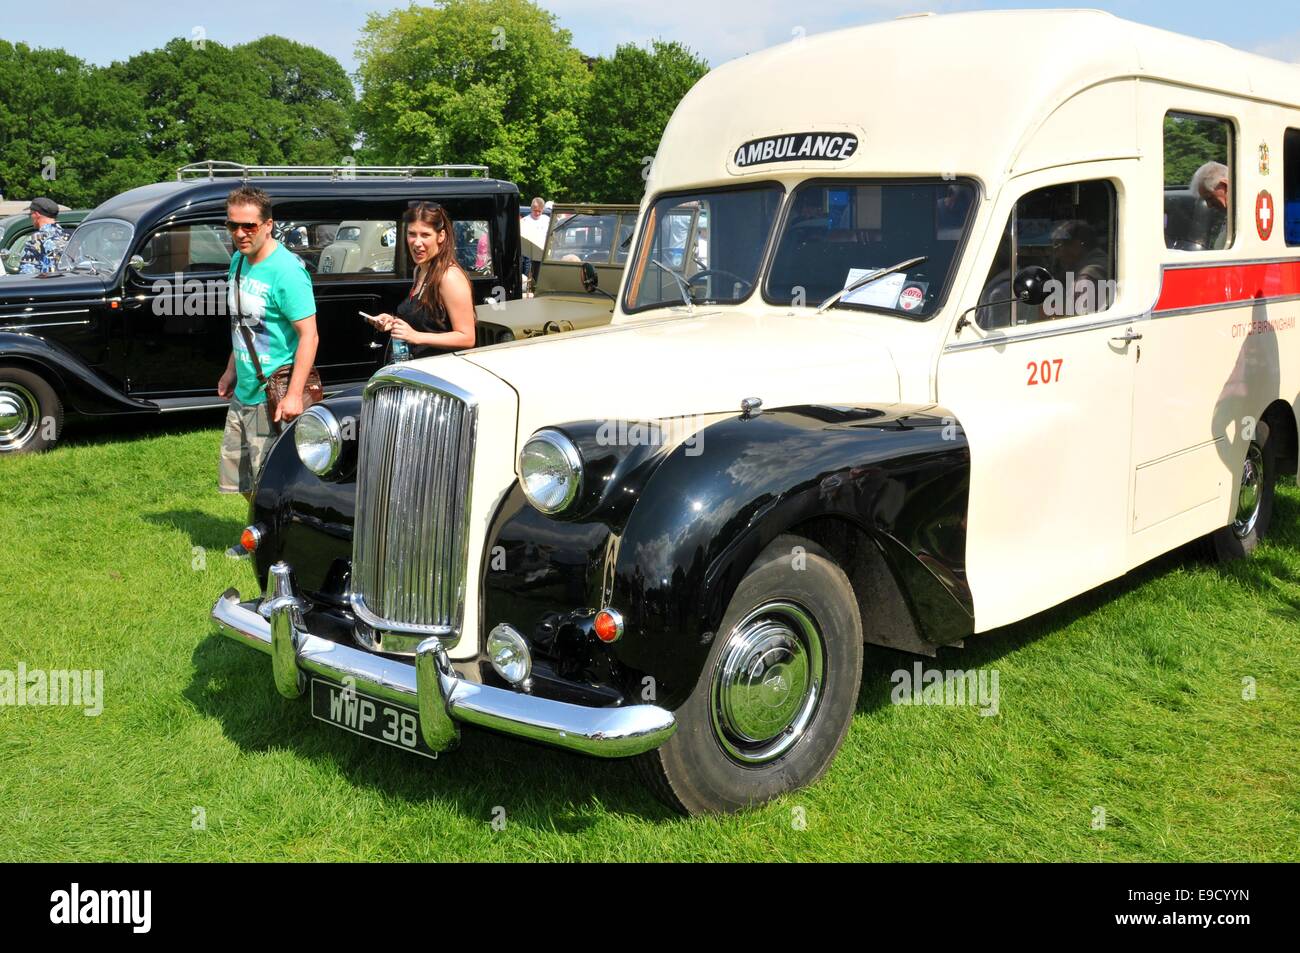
1254	510
777	693
27	406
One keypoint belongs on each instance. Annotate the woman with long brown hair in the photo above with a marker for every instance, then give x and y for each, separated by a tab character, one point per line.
438	314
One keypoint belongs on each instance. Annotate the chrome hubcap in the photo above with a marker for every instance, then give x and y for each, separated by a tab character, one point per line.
1250	496
18	416
767	682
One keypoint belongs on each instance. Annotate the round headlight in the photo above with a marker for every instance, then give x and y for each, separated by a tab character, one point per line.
550	471
319	440
509	654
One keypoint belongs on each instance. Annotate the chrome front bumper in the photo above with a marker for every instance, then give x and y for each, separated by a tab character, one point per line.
430	686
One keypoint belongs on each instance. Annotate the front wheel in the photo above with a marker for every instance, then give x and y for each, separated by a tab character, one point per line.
1254	512
778	690
31	414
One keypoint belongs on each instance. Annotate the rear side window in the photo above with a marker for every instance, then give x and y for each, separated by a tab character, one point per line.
332	248
1199	183
1291	188
1071	230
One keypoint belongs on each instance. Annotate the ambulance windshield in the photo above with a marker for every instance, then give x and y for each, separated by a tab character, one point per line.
836	233
706	244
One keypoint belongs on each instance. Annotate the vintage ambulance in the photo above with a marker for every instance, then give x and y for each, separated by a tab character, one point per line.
990	309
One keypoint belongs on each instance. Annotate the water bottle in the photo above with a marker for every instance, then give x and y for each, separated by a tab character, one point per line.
401	351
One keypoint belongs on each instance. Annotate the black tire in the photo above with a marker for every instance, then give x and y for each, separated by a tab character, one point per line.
707	765
31	414
1238	539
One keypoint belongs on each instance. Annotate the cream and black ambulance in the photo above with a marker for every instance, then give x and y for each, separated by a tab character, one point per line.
927	326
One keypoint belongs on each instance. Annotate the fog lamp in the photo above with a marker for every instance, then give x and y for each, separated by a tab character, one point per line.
509	655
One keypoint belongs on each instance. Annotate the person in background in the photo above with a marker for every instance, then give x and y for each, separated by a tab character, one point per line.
43	251
1210	182
533	228
438	314
275	302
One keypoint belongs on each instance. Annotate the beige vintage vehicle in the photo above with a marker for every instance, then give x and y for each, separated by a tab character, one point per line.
598	236
356	247
991	308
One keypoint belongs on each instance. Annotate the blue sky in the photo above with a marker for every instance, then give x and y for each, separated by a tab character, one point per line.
718	29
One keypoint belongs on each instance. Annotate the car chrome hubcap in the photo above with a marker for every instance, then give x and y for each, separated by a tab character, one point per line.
1250	496
18	415
767	682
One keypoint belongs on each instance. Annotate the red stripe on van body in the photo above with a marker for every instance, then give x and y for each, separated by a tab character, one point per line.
1227	284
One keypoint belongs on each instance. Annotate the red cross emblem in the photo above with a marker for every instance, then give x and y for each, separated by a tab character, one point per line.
1265	212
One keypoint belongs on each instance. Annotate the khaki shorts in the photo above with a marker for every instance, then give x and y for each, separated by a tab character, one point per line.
243	448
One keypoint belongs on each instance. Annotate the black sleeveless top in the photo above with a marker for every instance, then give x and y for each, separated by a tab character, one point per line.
424	319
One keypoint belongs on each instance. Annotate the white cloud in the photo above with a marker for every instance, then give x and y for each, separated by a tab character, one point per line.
1281	48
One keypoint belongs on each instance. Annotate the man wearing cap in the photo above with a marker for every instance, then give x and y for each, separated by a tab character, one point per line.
43	250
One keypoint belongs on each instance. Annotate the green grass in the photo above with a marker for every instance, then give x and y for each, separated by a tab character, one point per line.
1128	698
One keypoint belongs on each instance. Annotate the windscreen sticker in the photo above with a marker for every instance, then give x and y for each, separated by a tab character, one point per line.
881	293
913	295
800	146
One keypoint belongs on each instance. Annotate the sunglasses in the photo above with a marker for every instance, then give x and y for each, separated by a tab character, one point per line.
233	227
421	203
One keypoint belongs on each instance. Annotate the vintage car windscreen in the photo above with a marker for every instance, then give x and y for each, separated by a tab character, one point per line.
97	246
582	237
708	245
838	232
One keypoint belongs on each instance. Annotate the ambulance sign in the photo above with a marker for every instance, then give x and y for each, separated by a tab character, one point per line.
797	147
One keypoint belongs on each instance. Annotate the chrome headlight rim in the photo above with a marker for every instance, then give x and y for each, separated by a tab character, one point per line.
333	434
572	459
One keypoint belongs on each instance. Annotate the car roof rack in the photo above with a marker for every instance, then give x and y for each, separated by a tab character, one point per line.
212	168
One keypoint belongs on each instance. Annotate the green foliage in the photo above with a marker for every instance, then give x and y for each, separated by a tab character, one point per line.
491	82
64	132
272	101
632	97
494	82
109	129
1190	142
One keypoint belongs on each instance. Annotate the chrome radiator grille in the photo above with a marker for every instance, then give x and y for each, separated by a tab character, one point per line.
410	539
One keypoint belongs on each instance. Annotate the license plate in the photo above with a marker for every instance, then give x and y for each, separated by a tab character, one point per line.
368	717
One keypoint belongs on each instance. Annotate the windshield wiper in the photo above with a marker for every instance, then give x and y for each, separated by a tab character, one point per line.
682	286
868	279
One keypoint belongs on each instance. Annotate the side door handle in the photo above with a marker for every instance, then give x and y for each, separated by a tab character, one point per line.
1129	335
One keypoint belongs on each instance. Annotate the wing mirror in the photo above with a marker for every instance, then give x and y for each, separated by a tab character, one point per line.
1031	285
136	264
590	280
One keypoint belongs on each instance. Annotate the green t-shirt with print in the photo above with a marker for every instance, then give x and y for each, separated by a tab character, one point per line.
273	294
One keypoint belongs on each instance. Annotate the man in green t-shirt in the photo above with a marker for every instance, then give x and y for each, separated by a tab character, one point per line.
275	303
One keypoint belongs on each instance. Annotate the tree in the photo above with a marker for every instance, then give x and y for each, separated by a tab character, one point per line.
271	102
1190	142
631	98
493	82
65	131
315	126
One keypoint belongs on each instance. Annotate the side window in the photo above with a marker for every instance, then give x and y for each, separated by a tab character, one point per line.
1291	185
1071	231
332	248
186	249
474	248
1199	197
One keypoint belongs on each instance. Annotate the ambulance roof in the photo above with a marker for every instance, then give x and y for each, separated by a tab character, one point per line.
931	94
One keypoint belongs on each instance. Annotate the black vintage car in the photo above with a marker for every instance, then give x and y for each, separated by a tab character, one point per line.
135	321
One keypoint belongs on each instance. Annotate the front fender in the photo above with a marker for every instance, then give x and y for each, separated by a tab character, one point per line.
307	520
81	389
901	476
